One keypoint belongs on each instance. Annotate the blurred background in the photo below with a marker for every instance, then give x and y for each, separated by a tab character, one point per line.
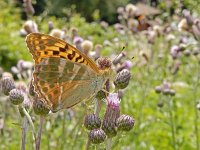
157	41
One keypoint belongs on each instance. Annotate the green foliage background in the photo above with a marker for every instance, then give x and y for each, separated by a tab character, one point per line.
153	126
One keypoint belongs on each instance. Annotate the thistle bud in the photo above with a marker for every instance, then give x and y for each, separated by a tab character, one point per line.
16	96
111	115
50	25
92	122
97	136
40	108
160	104
166	91
122	79
158	89
104	63
198	106
172	92
196	51
125	123
101	95
7	85
31	88
187	52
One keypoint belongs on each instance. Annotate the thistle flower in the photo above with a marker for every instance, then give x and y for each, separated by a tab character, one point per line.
131	10
30	26
120	10
39	107
86	46
125	123
111	115
122	79
57	33
16	96
7	85
175	51
92	121
97	136
183	25
104	24
50	25
96	53
28	7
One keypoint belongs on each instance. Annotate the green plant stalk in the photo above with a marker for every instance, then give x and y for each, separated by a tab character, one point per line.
63	130
24	131
196	117
97	109
108	143
38	140
30	122
170	103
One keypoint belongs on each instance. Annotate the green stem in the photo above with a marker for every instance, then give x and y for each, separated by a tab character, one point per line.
30	122
108	143
38	140
172	122
24	131
63	129
196	84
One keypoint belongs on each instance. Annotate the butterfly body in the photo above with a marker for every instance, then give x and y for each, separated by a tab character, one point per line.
63	76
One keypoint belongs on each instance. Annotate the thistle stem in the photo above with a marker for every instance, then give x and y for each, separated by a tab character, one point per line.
38	140
30	122
24	131
108	144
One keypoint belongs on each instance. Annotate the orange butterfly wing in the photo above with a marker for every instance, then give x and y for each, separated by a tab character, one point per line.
61	71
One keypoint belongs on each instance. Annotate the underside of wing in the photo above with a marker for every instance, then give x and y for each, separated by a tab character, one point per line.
45	46
59	83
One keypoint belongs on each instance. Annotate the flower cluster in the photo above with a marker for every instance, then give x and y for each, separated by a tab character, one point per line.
112	121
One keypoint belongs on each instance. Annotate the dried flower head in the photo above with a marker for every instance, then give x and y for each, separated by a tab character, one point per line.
97	136
92	121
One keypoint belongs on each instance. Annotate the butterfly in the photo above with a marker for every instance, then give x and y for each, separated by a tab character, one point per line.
63	76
